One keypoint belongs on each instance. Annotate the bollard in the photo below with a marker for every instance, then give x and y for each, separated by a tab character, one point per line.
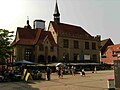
111	84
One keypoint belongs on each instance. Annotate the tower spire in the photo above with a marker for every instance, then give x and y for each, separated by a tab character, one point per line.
56	14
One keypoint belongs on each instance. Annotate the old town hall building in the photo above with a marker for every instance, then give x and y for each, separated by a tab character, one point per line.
60	43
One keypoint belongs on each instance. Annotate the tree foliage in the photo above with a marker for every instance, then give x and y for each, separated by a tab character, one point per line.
5	47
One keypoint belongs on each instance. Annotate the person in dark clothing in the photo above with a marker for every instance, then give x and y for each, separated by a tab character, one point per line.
82	72
60	72
48	73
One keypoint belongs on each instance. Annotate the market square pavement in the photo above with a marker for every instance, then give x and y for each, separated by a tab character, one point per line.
92	81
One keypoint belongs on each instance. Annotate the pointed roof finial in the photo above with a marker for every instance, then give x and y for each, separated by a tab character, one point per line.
27	20
27	17
56	12
28	25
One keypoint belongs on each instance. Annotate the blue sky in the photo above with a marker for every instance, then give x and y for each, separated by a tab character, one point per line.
97	17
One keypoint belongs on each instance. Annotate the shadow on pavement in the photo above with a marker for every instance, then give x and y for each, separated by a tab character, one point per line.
17	86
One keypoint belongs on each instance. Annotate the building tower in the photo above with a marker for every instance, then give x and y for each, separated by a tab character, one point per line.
56	14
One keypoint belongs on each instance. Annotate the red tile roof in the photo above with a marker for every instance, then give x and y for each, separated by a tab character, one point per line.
27	36
114	47
71	30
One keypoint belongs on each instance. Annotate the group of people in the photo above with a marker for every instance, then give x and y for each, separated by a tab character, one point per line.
9	75
60	72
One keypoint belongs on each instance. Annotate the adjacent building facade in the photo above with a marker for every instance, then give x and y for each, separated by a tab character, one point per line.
104	44
112	53
60	43
36	45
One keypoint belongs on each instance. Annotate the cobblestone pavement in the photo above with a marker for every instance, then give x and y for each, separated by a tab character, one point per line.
92	81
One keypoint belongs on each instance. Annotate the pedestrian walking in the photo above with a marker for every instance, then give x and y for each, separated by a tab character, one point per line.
73	70
60	71
48	73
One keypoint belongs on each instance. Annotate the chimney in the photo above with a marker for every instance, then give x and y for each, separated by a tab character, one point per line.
39	24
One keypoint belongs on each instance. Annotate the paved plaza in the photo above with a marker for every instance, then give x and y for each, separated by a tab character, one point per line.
92	81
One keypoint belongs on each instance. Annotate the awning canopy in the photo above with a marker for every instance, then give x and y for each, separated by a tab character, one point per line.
23	62
82	64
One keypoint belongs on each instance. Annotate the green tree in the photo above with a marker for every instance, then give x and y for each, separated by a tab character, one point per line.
5	47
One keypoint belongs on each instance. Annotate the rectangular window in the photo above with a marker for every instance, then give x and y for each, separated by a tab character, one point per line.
94	46
87	45
94	57
76	44
65	43
28	54
76	57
